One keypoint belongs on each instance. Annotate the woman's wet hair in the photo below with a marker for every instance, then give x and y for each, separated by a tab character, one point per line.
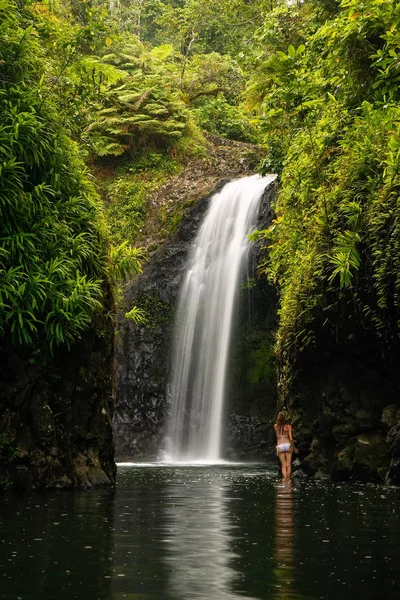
281	420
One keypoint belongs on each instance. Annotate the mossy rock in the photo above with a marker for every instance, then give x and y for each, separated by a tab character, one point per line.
389	415
315	461
366	419
372	457
261	365
393	476
327	419
311	464
344	431
43	425
343	467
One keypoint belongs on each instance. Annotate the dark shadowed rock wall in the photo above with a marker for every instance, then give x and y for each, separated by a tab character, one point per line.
345	407
142	353
251	381
56	413
251	385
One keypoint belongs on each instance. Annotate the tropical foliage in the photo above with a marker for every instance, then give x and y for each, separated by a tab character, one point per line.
144	110
51	250
328	100
123	89
84	81
53	253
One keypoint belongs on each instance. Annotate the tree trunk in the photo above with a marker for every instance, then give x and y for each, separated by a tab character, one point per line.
187	56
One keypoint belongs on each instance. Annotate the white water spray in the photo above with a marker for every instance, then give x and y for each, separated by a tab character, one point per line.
203	323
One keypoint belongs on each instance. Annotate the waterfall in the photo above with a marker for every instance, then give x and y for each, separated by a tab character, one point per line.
203	322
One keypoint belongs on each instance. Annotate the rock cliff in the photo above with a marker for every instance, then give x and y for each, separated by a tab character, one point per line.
142	352
55	414
345	408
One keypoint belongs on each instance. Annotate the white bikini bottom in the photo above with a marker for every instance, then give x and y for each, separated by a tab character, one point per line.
283	447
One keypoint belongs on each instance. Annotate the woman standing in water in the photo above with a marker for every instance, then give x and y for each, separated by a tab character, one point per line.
285	444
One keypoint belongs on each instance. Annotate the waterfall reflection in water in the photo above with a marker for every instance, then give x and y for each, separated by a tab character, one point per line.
199	544
200	533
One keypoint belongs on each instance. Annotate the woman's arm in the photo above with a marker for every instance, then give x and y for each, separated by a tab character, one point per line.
292	440
291	436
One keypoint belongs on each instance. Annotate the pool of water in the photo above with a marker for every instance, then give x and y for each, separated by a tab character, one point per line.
203	533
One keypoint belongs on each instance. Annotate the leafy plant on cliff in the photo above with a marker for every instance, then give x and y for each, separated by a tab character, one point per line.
145	110
140	113
329	106
53	254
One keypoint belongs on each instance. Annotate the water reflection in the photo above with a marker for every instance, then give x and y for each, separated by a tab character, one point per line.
202	534
284	540
56	545
199	543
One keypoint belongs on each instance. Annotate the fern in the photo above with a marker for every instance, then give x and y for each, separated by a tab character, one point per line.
145	110
52	255
137	315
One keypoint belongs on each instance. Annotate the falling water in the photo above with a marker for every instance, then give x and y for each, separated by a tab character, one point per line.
203	321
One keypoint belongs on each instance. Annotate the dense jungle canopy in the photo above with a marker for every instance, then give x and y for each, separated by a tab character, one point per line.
103	100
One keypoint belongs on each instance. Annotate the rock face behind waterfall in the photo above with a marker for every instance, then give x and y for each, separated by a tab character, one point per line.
143	353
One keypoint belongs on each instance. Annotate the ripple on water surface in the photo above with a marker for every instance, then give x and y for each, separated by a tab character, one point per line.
205	533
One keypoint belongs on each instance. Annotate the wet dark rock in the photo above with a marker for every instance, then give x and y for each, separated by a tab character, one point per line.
389	415
247	438
42	423
366	419
345	395
393	440
342	469
55	413
371	457
320	475
312	463
22	477
299	474
342	432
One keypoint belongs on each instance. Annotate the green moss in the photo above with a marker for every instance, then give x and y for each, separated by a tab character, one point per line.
129	191
170	220
9	453
261	365
155	310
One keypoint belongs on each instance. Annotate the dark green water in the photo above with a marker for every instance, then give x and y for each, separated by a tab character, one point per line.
204	533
